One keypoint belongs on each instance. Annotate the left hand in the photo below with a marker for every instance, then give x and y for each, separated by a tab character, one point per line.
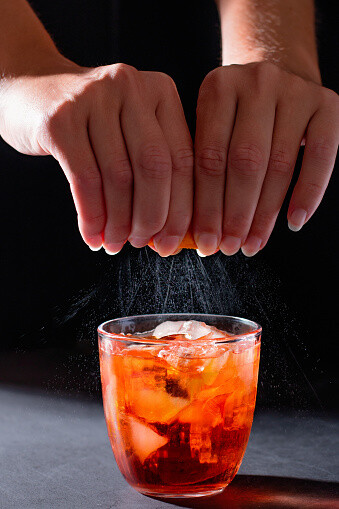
251	121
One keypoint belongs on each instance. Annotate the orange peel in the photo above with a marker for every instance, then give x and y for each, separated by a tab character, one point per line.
187	242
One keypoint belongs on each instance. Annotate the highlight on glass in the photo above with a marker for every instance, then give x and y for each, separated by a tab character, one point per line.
179	393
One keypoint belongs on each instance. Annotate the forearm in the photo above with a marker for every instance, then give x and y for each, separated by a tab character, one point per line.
280	31
25	45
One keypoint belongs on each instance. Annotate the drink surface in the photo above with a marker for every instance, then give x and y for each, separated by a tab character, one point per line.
179	413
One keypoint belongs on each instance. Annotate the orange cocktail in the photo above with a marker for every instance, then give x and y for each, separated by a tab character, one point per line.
179	400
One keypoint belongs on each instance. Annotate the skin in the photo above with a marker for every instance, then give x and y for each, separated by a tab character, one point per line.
121	137
253	114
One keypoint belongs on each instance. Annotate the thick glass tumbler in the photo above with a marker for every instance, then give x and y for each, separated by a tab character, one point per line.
179	412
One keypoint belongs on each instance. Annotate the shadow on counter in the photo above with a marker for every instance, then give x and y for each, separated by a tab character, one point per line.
255	491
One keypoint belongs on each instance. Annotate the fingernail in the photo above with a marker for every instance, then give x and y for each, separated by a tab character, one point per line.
297	220
96	243
207	243
166	246
138	241
113	248
251	246
200	254
230	245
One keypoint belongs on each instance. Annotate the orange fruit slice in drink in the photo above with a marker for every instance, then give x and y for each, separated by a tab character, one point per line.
186	243
154	405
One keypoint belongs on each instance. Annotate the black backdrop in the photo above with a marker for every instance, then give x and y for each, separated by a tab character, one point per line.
55	290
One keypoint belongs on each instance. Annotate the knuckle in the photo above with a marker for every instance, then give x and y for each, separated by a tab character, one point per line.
313	190
89	178
330	96
123	174
155	164
320	150
236	225
159	83
101	90
213	77
183	161
211	161
211	86
280	164
118	172
262	222
246	159
124	72
165	80
107	75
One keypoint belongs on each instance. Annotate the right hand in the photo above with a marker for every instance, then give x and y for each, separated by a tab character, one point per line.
121	138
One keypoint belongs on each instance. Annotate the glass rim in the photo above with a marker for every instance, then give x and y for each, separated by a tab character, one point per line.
256	332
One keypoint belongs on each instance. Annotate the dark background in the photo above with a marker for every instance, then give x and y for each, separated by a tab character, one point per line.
56	291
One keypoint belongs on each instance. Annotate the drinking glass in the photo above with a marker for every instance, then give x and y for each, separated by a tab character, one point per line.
178	412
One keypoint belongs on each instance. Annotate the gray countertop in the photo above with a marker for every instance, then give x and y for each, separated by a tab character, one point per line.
55	453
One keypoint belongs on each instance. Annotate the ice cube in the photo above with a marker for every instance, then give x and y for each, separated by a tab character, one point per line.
167	329
188	358
191	329
144	440
194	330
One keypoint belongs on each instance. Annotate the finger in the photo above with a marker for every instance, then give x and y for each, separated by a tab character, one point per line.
289	130
81	170
151	164
111	154
318	162
173	124
177	251
214	128
246	168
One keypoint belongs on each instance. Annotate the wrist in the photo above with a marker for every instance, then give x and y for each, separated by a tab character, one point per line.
35	62
300	64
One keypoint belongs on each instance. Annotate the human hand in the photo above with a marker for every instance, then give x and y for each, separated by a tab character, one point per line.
251	121
121	138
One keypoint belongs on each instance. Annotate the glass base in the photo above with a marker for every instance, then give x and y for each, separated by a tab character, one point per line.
192	494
